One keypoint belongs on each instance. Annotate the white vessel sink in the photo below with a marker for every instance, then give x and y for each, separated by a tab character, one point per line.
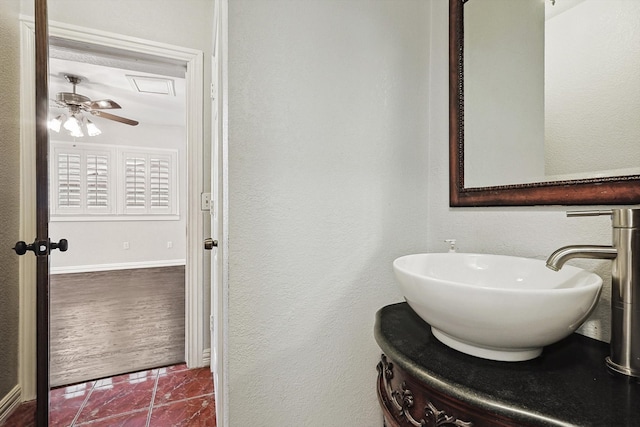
493	306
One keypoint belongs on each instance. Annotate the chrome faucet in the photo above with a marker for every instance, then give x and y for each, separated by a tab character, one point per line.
624	357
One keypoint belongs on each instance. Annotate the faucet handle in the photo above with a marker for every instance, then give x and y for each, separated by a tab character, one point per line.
590	213
620	217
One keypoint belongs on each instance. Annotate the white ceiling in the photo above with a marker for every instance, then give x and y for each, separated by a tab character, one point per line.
110	82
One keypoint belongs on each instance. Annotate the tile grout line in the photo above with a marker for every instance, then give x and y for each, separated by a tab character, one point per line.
84	404
109	417
153	398
171	402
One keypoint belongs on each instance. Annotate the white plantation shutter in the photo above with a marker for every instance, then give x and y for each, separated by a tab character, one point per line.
150	182
97	194
160	176
135	182
81	181
69	181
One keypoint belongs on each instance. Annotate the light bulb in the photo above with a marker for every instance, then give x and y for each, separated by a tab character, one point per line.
92	129
54	124
73	125
77	133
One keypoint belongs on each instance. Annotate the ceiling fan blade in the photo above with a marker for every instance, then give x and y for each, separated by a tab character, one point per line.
113	117
58	104
102	104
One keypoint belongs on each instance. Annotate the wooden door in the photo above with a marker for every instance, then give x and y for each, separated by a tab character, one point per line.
42	212
41	246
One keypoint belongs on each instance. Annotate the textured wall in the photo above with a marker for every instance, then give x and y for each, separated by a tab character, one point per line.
328	109
9	192
177	22
527	231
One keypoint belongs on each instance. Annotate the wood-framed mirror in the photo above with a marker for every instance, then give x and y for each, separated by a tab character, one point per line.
471	127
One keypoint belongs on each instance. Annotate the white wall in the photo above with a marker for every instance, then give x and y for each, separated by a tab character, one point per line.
503	92
593	95
100	244
527	231
328	173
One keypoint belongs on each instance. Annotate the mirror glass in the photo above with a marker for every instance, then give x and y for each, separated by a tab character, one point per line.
551	90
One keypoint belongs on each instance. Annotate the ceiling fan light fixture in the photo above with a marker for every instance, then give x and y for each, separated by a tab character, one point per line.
77	133
77	124
73	125
55	124
92	129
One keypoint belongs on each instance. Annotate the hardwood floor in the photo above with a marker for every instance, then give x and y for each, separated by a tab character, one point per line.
111	322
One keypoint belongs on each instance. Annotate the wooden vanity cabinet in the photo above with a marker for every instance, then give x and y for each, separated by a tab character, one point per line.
406	401
423	383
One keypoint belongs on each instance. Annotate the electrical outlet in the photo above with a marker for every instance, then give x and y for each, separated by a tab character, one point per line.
125	245
169	245
205	201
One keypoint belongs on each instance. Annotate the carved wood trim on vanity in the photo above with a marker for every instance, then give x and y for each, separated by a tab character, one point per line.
408	402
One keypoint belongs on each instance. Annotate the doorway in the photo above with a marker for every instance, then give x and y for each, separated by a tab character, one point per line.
195	353
118	193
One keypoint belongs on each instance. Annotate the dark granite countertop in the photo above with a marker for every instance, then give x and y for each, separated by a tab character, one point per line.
568	385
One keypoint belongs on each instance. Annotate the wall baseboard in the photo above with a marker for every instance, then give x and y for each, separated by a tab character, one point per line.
9	403
116	266
206	357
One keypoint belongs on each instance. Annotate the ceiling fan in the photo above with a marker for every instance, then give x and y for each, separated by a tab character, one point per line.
77	104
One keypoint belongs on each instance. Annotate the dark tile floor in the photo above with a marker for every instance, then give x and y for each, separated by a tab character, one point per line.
171	396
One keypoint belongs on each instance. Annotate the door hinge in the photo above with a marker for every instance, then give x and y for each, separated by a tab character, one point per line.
214	91
211	323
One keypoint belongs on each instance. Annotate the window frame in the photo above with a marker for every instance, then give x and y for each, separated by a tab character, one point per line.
83	210
169	155
117	209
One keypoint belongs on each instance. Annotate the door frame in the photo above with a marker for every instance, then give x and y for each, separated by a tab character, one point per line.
195	324
220	205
